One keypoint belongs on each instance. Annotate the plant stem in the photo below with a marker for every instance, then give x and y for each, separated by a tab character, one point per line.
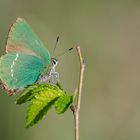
76	108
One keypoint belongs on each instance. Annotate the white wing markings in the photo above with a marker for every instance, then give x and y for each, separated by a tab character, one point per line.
12	65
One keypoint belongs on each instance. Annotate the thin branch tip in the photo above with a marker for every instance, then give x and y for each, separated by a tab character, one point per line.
76	108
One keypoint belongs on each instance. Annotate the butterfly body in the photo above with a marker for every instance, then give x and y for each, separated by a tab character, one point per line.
26	61
51	74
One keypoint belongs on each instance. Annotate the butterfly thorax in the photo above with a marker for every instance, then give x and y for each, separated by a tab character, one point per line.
50	74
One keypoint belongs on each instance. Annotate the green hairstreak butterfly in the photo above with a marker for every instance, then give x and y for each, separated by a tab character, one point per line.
27	60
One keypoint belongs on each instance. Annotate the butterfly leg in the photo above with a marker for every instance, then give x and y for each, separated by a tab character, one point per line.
18	91
44	79
52	78
55	77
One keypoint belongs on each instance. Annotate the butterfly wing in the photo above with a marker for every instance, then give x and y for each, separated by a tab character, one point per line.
18	70
22	39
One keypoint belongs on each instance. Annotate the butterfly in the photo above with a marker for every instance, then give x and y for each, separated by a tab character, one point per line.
27	60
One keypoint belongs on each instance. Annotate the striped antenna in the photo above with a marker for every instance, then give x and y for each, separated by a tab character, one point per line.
63	53
57	39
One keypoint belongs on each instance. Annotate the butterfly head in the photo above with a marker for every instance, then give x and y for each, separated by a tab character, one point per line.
54	62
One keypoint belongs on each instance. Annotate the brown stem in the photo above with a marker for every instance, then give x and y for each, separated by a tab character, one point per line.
76	108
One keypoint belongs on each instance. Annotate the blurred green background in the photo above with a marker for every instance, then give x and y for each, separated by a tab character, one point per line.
109	35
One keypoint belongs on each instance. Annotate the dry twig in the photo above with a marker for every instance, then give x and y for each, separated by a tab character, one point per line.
76	108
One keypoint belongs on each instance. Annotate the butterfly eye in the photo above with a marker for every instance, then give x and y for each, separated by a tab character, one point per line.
54	62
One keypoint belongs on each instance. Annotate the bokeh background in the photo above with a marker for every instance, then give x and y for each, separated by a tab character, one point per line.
109	35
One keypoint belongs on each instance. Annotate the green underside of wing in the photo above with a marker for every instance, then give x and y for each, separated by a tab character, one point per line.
22	38
19	70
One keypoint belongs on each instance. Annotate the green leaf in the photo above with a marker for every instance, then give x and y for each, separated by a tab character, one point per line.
59	85
63	103
32	90
45	97
26	95
42	98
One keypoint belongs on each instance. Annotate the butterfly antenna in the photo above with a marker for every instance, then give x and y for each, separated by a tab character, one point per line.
63	53
57	39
